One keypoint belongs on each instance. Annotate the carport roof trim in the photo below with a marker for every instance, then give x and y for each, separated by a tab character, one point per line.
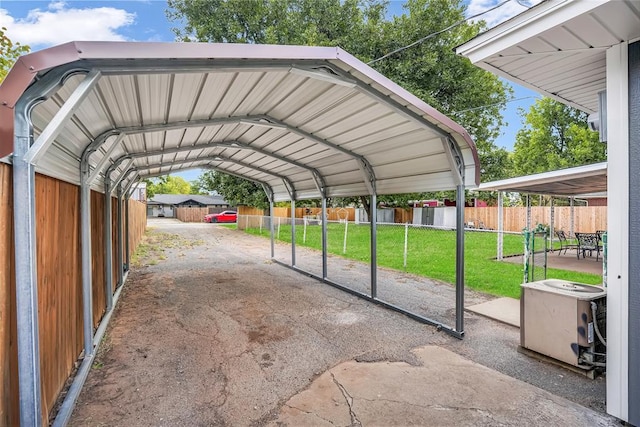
110	57
574	181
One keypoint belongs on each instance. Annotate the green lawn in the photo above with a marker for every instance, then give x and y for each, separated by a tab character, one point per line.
431	253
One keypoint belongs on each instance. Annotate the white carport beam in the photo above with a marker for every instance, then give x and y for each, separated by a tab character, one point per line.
121	177
317	177
214	158
26	275
263	184
55	126
363	163
105	159
455	160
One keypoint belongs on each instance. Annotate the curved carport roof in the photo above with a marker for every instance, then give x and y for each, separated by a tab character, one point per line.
305	122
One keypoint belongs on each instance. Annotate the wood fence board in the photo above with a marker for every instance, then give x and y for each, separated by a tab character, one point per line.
59	284
586	218
58	258
9	408
191	214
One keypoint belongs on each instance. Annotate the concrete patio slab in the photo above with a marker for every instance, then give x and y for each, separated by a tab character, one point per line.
506	310
446	390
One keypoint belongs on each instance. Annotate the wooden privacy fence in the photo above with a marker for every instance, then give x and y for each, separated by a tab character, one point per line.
333	214
59	283
587	219
191	214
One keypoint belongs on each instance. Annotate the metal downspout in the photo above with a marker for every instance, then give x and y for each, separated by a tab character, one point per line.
119	236
374	245
108	243
26	276
460	199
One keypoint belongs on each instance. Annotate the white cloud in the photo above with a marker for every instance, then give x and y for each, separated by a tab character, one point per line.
501	14
60	23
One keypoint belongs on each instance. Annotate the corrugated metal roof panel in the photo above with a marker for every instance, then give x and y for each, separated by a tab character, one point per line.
292	112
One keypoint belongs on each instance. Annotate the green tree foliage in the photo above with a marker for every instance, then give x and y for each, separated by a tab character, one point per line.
167	185
430	70
555	136
9	53
236	191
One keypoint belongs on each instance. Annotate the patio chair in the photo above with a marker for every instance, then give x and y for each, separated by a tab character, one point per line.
588	242
565	243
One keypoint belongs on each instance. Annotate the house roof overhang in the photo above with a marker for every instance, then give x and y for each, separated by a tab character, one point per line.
571	182
558	48
303	121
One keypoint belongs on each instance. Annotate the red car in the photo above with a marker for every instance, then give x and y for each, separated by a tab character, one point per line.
226	216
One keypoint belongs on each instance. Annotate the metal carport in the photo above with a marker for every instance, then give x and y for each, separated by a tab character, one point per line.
304	122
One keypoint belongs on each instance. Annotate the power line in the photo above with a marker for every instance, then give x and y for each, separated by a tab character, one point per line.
494	104
441	31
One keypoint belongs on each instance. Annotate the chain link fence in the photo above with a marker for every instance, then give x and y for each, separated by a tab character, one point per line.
416	264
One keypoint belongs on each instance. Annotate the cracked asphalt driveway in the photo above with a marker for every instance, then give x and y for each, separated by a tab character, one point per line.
216	334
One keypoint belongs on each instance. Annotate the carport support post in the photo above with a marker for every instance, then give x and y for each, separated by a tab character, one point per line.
551	220
293	233
571	219
324	237
528	212
119	235
85	238
500	225
108	244
126	232
26	279
460	198
374	245
273	248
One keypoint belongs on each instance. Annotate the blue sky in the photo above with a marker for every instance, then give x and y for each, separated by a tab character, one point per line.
41	24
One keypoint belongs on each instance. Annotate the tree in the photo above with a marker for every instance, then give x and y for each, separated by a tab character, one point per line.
555	136
167	185
9	53
430	70
236	191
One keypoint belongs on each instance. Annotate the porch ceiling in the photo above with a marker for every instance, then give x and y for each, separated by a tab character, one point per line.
564	182
301	120
558	48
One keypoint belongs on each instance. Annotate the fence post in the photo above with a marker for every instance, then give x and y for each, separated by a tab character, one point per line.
278	236
261	226
604	259
344	244
406	236
500	226
526	235
304	230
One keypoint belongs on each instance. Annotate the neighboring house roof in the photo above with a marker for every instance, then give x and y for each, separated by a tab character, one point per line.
176	199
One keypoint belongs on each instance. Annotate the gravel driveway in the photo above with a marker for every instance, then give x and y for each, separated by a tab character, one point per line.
213	333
